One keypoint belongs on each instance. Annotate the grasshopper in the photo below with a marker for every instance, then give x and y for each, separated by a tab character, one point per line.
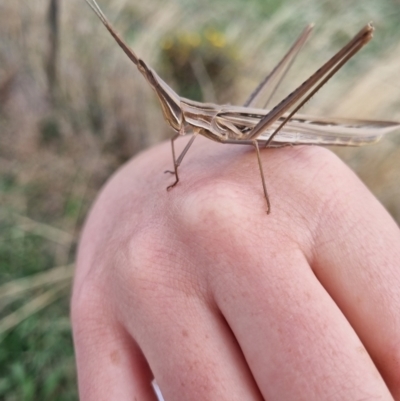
248	125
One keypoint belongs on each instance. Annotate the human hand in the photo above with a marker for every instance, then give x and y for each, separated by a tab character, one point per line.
201	288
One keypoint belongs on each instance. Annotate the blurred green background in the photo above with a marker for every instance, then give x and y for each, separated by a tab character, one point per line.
73	108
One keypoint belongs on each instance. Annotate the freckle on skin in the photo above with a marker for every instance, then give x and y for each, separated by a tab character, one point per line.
115	358
361	350
185	333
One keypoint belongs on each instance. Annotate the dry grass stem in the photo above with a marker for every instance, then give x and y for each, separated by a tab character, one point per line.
32	306
20	286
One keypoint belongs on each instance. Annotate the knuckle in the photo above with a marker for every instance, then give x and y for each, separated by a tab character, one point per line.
215	203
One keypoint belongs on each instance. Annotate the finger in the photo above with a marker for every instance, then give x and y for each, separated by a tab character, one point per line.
110	365
188	345
358	261
296	341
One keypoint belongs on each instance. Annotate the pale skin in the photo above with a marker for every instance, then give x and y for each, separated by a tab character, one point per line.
199	287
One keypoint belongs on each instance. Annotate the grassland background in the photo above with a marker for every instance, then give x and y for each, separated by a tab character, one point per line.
71	114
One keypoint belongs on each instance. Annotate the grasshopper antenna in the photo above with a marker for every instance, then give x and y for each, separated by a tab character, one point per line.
128	51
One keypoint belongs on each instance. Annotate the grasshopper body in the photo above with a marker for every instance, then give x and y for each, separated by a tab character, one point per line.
261	127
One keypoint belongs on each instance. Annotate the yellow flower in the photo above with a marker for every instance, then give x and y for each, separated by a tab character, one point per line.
216	38
193	39
167	43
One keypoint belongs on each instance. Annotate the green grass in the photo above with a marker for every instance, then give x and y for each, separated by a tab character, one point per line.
36	355
36	358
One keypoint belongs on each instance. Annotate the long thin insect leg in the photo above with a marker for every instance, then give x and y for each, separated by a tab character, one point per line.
312	93
272	80
301	43
262	177
363	37
178	161
184	151
173	139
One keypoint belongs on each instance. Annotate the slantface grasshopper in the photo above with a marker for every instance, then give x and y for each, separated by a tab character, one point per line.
261	127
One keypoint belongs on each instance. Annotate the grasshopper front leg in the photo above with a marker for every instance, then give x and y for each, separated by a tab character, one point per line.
178	161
